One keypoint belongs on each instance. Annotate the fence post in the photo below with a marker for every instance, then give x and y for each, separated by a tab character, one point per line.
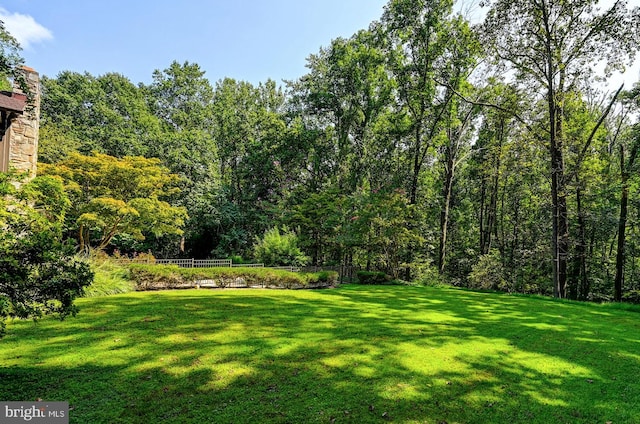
193	263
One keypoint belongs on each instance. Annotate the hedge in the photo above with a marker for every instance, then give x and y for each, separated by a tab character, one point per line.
158	277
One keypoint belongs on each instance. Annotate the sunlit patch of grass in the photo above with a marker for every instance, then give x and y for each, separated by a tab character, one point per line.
357	354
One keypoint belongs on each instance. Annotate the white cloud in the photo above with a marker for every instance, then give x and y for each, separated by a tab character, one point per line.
24	28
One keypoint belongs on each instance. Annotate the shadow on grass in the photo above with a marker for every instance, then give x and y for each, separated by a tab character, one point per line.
356	354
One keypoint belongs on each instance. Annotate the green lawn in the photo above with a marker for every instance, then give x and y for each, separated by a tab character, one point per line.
356	354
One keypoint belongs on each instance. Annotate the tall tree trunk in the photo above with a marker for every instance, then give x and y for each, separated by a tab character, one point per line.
625	174
483	212
578	287
488	225
560	242
444	213
417	166
622	226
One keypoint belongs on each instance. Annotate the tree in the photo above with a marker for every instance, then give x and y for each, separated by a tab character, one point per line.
376	230
555	47
114	196
11	62
490	146
39	273
628	149
318	218
106	114
418	34
459	117
346	91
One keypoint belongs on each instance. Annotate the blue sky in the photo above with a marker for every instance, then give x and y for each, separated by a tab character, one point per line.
250	40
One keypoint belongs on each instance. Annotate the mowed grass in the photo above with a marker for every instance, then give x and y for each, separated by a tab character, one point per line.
357	354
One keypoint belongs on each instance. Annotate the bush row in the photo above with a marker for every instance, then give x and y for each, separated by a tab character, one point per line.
157	277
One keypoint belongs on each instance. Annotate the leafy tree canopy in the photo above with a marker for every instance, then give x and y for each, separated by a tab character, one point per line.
114	196
39	274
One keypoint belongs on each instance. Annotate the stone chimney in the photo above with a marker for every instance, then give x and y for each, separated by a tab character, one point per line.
19	144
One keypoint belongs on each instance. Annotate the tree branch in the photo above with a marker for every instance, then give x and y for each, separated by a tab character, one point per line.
485	104
594	130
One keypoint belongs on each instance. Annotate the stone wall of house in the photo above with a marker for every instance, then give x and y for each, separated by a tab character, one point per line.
23	132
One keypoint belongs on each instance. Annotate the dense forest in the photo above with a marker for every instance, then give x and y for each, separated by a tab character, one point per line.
431	149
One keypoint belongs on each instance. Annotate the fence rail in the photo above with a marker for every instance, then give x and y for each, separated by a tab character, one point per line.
247	265
196	263
182	263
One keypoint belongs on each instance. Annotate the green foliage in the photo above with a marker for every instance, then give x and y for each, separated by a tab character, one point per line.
425	273
632	296
39	273
279	247
56	142
155	277
114	196
319	218
373	277
379	229
488	273
238	260
109	277
11	62
374	157
106	114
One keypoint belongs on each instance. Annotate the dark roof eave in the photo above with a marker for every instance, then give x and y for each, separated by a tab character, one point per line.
11	104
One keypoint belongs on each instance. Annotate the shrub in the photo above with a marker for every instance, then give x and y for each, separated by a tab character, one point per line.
632	296
279	248
425	273
488	273
373	277
237	259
